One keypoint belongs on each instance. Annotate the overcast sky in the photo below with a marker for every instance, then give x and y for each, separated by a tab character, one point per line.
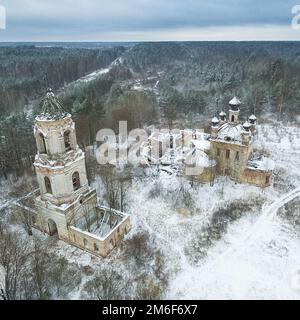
133	20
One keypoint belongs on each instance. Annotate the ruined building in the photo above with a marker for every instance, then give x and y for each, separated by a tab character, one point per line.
65	205
231	147
227	150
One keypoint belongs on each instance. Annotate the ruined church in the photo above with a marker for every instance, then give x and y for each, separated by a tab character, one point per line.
65	205
227	150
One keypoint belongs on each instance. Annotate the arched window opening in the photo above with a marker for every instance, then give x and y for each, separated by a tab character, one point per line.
42	143
76	181
48	185
96	248
67	140
85	242
52	227
232	118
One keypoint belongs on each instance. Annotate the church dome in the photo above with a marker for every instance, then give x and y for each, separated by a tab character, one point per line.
252	119
215	121
234	103
222	115
51	107
246	126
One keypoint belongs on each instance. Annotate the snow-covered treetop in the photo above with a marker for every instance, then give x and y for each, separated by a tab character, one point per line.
51	108
234	101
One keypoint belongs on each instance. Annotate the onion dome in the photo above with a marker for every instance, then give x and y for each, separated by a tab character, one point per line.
234	103
247	126
222	115
252	119
51	108
215	121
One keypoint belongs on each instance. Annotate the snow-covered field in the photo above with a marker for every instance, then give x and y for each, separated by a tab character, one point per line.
259	255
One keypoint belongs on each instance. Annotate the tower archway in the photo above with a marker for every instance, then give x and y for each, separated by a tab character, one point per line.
52	227
67	140
41	143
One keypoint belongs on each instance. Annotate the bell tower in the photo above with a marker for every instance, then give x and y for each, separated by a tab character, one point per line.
59	163
234	111
60	166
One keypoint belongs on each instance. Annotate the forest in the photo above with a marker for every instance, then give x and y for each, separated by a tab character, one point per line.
193	78
169	84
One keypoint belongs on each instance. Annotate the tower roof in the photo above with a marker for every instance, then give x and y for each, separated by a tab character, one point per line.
215	120
246	125
51	108
234	101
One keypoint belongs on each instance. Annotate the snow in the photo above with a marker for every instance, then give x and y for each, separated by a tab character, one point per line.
234	101
261	163
229	131
261	266
203	145
215	120
93	75
199	159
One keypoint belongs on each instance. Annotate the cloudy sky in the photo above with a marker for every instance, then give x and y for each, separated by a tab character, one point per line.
151	20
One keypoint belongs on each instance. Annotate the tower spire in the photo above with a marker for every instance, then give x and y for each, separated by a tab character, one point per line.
51	107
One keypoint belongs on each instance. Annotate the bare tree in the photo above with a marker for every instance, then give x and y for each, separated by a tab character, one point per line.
107	285
88	209
149	289
25	217
115	184
138	248
14	254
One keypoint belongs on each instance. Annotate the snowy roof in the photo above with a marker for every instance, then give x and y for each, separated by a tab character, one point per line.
199	158
201	144
252	117
234	101
261	163
51	108
246	125
215	120
229	132
222	114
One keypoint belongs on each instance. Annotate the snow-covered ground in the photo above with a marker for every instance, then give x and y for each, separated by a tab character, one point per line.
259	255
261	265
93	75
